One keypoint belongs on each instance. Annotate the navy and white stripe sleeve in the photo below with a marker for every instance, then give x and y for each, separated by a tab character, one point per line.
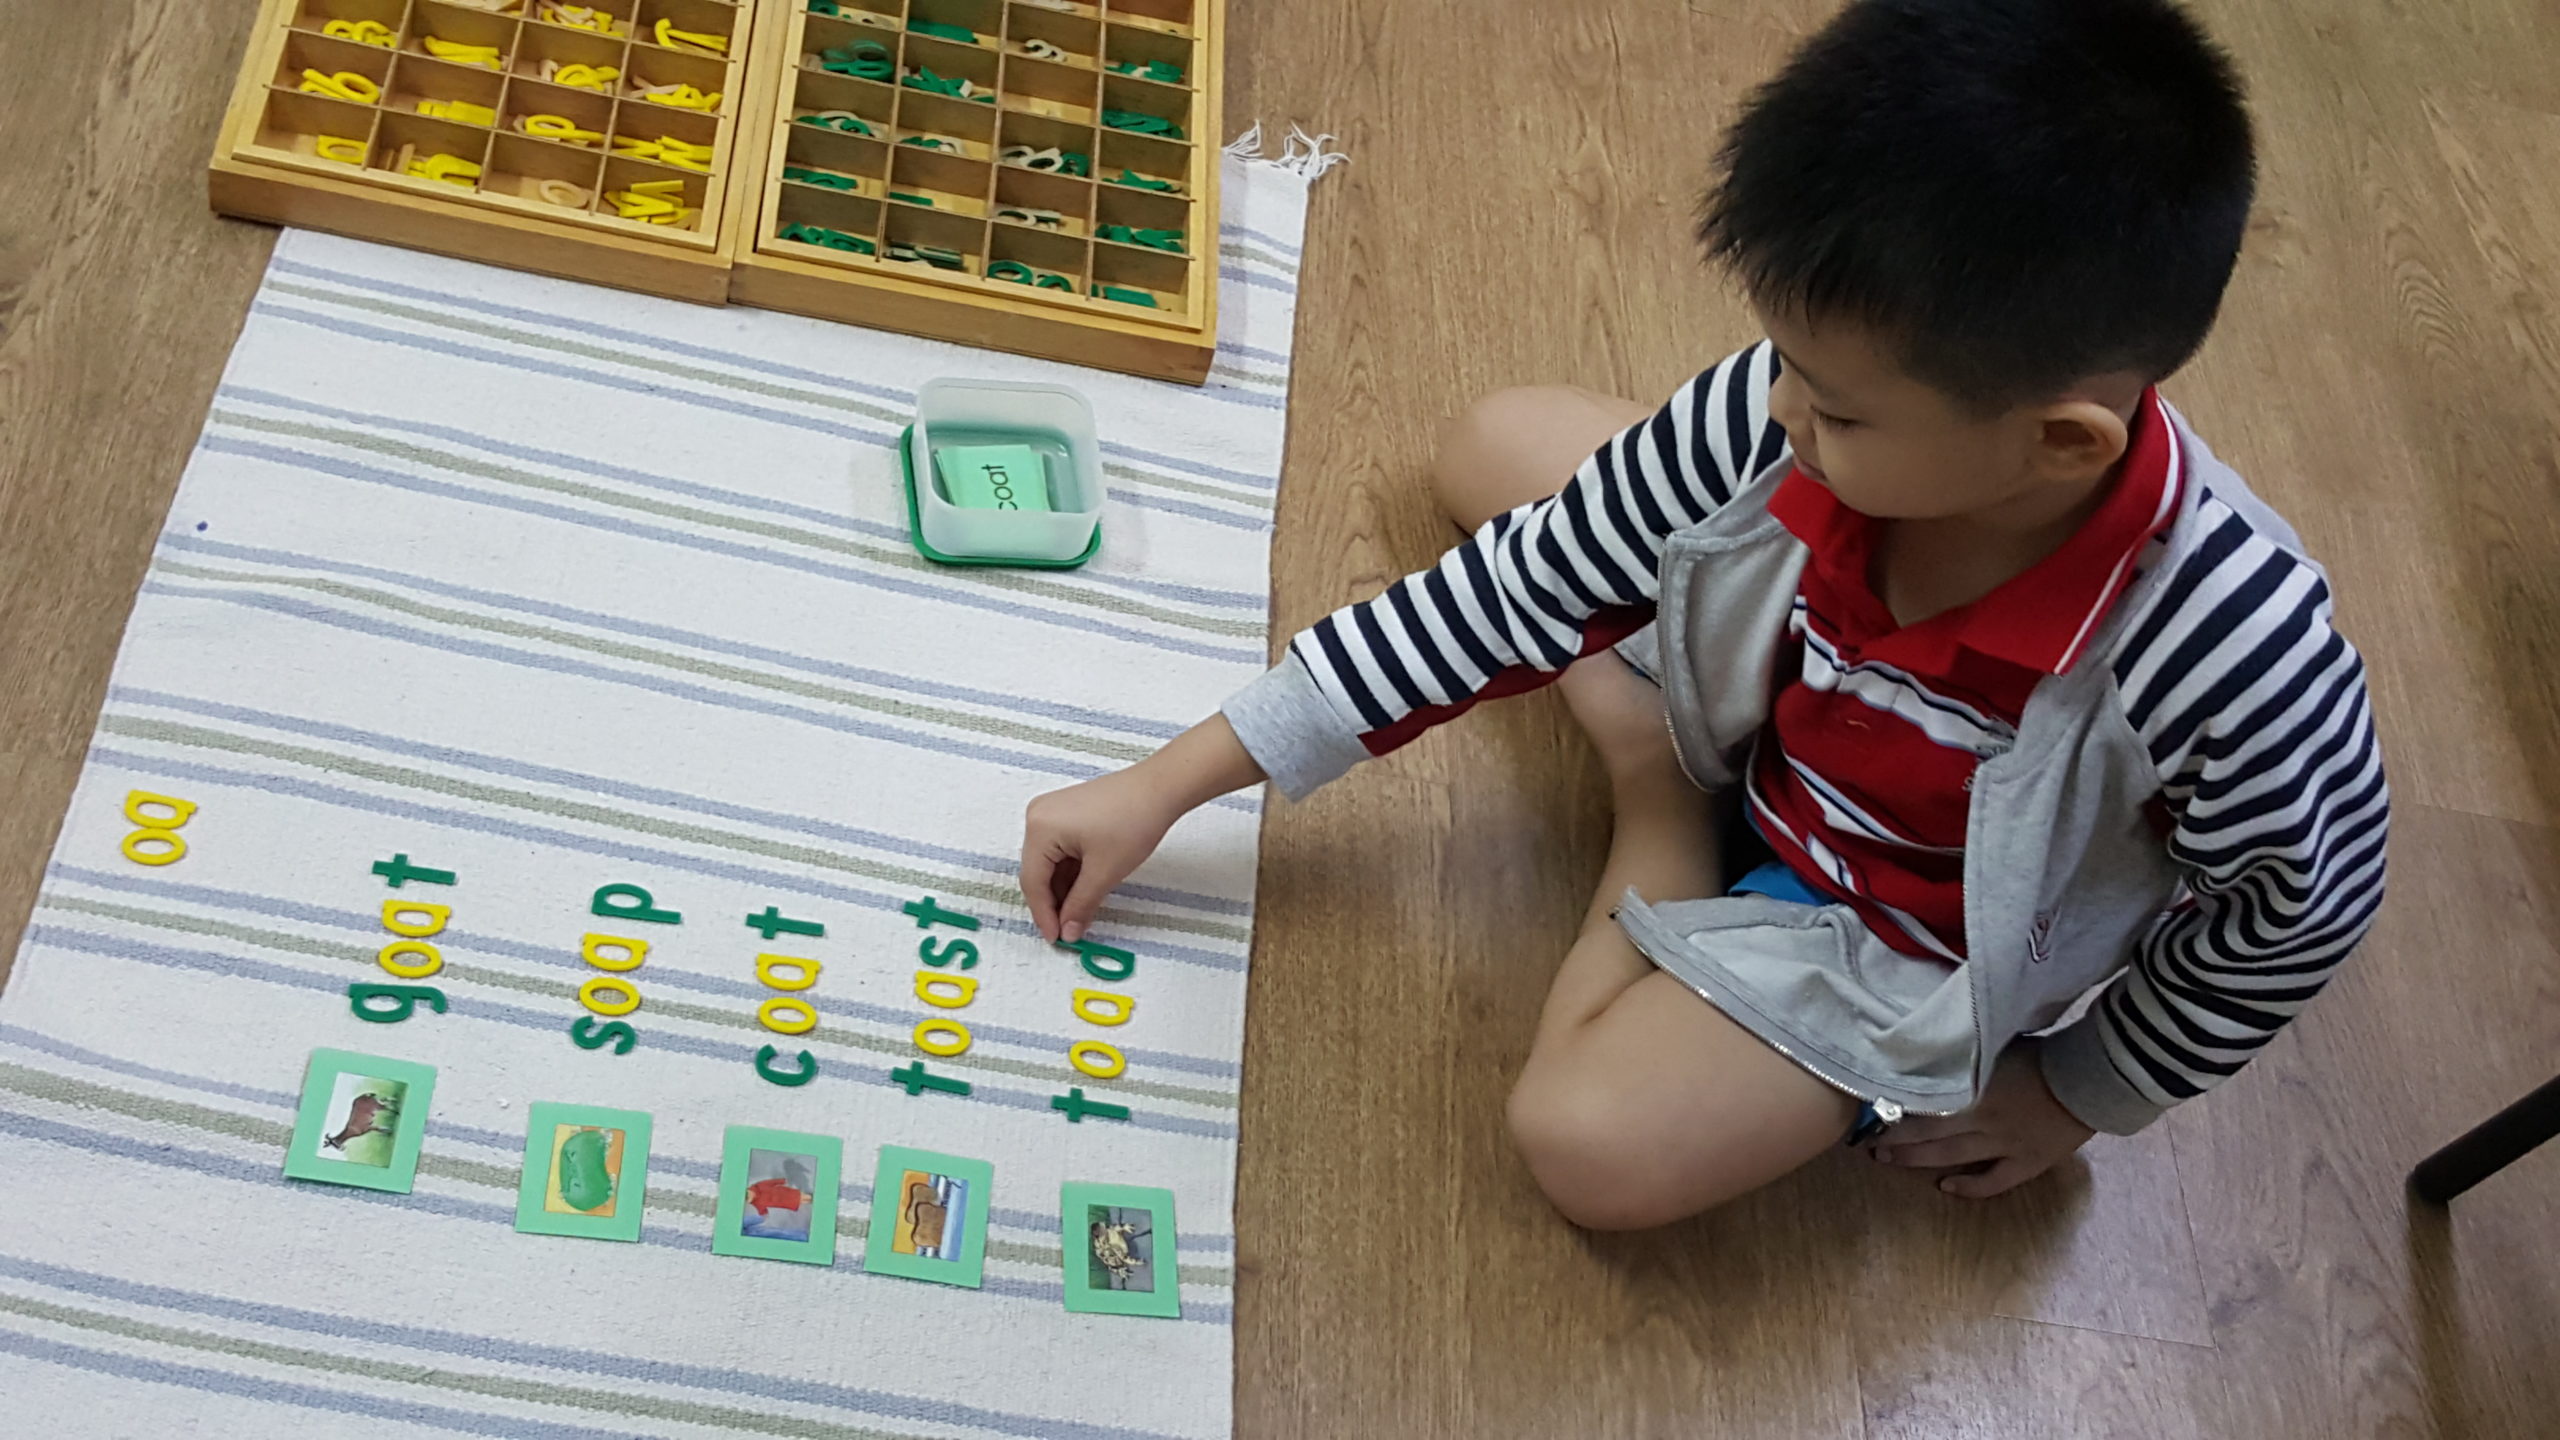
2255	713
1527	595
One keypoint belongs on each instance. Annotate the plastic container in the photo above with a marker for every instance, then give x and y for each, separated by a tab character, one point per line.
1044	514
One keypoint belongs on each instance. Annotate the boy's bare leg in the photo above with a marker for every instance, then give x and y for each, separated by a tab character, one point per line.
1640	1103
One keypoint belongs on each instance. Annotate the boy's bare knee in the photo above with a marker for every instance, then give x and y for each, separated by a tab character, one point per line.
1519	444
1588	1167
1473	472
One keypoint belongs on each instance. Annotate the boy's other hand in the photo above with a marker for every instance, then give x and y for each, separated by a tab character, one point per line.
1079	843
2016	1132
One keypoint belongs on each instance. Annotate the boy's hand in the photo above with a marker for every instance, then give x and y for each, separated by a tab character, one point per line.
2016	1132
1079	843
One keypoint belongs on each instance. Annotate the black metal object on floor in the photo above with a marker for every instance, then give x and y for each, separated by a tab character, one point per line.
2489	1147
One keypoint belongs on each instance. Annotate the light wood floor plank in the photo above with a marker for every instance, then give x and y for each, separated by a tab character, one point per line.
1928	1377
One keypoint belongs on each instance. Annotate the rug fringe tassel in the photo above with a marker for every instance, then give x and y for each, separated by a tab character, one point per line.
1303	155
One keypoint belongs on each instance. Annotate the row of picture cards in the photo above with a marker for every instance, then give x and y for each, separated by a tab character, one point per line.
586	1174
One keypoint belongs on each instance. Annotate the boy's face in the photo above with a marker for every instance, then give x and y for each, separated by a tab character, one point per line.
1896	448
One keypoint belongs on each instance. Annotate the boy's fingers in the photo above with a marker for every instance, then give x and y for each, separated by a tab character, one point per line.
1039	879
1083	901
1925	1127
2007	1175
1955	1150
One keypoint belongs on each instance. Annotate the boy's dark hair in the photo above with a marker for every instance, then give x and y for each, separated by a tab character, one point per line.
2017	194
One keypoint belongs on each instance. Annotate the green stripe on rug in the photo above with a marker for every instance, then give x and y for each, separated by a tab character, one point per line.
436	1375
466	620
891	557
709	379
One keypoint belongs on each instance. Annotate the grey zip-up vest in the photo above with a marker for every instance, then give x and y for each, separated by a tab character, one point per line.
2063	868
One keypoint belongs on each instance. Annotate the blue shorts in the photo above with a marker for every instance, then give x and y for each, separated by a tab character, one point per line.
1777	882
1773	880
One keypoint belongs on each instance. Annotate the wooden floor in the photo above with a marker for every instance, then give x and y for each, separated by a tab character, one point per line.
2388	374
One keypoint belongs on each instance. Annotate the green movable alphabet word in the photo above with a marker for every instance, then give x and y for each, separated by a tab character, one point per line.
807	1072
1077	1107
400	1001
929	913
773	922
588	1035
397	871
918	1080
1102	962
630	902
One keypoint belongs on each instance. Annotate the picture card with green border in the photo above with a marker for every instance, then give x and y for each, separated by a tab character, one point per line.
576	1184
778	1195
1090	1276
949	1202
361	1121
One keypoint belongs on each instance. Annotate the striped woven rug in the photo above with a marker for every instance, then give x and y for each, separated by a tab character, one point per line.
558	588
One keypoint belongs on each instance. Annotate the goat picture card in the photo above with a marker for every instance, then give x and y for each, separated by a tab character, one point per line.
778	1195
1119	1243
361	1121
586	1172
929	1217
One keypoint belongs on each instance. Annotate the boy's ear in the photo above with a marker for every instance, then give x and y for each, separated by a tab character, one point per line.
2076	440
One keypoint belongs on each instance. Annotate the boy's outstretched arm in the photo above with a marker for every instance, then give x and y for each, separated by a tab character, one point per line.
1533	590
1529	593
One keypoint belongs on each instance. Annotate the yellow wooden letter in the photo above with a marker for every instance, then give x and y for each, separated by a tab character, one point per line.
427	963
802	1021
136	803
804	973
134	851
633	952
948	991
1104	1008
938	1036
395	913
591	995
1096	1059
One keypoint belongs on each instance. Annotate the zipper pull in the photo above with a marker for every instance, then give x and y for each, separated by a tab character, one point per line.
1878	1117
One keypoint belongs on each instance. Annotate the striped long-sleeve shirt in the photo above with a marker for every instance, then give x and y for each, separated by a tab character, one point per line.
2252	708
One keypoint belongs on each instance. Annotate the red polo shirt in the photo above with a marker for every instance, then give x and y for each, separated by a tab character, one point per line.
1862	779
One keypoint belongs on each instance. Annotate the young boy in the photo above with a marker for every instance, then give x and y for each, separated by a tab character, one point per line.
2022	692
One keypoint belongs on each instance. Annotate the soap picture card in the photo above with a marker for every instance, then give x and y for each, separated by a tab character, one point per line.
929	1217
361	1121
778	1195
1119	1245
586	1172
993	477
